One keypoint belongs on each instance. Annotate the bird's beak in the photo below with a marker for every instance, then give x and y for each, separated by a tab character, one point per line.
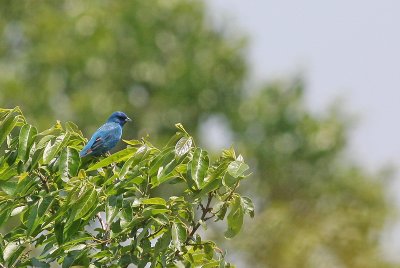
128	119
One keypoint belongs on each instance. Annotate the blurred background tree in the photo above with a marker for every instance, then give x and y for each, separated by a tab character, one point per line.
164	62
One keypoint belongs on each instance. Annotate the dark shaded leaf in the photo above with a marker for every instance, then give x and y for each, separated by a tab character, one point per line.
39	264
59	232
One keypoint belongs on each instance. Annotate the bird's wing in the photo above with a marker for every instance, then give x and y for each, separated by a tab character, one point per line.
99	141
99	138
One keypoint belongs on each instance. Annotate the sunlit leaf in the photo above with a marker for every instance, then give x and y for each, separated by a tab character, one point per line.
25	141
248	205
179	234
114	158
183	146
154	201
52	149
139	155
69	163
237	168
199	166
17	210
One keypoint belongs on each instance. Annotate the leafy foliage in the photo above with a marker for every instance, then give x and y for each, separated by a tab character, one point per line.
102	212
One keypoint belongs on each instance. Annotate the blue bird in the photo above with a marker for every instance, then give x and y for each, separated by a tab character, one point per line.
107	136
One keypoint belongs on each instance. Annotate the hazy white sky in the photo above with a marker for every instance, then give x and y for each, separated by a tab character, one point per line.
346	49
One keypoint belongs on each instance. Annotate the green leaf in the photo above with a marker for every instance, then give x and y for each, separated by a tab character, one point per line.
44	205
39	264
114	158
199	166
26	139
183	146
76	241
139	155
163	242
237	168
179	234
70	259
8	173
152	210
11	250
17	211
208	187
88	200
8	187
166	156
209	251
69	163
235	218
32	222
73	128
4	214
132	142
229	180
165	170
59	232
8	124
154	201
220	209
51	150
248	205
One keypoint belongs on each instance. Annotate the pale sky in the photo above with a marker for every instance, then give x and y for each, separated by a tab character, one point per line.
344	49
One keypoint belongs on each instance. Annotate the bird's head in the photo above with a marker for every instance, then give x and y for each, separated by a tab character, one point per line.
119	117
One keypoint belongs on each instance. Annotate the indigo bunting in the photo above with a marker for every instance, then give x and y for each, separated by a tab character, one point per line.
107	136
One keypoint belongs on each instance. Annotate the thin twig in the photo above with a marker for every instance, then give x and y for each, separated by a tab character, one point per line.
43	180
232	191
155	233
102	223
146	191
203	217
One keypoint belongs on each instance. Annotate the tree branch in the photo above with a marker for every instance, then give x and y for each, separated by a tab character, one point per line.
102	223
43	180
205	210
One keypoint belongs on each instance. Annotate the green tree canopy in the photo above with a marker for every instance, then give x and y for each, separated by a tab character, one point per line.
92	212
